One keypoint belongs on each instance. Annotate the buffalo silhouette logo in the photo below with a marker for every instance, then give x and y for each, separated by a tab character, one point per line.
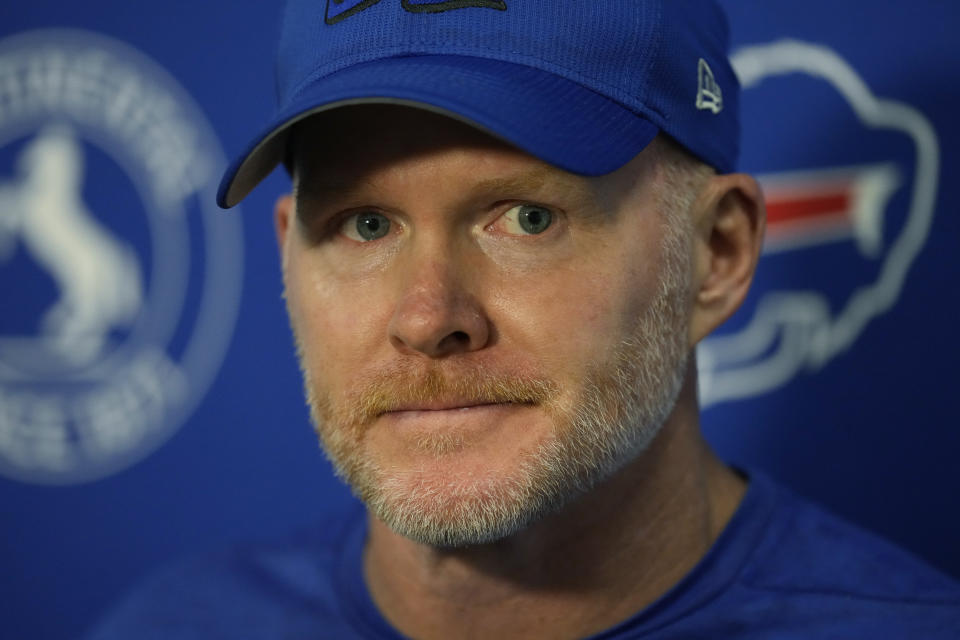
875	216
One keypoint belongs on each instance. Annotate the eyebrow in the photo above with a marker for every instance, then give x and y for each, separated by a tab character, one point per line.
532	180
565	187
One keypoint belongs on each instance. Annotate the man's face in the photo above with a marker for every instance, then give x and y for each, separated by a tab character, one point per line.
483	336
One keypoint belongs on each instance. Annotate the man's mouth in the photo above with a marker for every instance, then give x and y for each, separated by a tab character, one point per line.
444	405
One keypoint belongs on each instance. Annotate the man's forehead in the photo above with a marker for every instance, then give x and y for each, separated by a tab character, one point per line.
355	147
322	184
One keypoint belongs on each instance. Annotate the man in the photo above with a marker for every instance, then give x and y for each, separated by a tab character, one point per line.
510	225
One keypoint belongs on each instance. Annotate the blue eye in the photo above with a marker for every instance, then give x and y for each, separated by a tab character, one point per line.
366	226
527	219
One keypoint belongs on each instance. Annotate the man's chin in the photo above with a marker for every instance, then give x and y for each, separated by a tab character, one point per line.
455	510
450	494
459	492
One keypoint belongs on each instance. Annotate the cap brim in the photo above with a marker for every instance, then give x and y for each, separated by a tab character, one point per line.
546	115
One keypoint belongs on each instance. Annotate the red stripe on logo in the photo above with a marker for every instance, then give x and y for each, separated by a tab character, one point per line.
784	209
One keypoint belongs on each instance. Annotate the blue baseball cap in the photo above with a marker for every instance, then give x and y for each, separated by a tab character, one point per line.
584	85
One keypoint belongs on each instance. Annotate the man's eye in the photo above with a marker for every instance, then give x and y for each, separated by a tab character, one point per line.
365	226
527	219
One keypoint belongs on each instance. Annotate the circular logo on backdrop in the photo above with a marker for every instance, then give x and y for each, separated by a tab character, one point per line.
119	278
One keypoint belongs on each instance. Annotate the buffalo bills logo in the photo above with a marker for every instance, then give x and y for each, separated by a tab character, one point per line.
338	10
843	234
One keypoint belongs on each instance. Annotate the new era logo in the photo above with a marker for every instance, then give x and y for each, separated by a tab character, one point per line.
709	95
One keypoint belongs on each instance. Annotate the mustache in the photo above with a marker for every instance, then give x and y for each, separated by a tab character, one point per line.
400	386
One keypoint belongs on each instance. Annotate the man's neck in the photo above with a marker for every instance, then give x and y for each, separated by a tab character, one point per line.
575	573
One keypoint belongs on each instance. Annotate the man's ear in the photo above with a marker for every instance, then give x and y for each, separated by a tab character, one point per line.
729	218
283	218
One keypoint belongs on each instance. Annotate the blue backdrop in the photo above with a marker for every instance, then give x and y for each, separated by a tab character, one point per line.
159	415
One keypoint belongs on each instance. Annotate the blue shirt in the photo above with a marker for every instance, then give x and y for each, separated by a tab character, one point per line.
782	569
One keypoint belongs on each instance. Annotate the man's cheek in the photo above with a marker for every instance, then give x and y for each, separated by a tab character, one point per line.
565	328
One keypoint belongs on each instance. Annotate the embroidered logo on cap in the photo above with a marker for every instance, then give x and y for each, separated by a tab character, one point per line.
338	10
709	95
436	6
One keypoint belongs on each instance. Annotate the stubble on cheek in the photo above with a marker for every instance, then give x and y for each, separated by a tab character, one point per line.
427	503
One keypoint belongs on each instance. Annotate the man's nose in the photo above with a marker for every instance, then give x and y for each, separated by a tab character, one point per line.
436	315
